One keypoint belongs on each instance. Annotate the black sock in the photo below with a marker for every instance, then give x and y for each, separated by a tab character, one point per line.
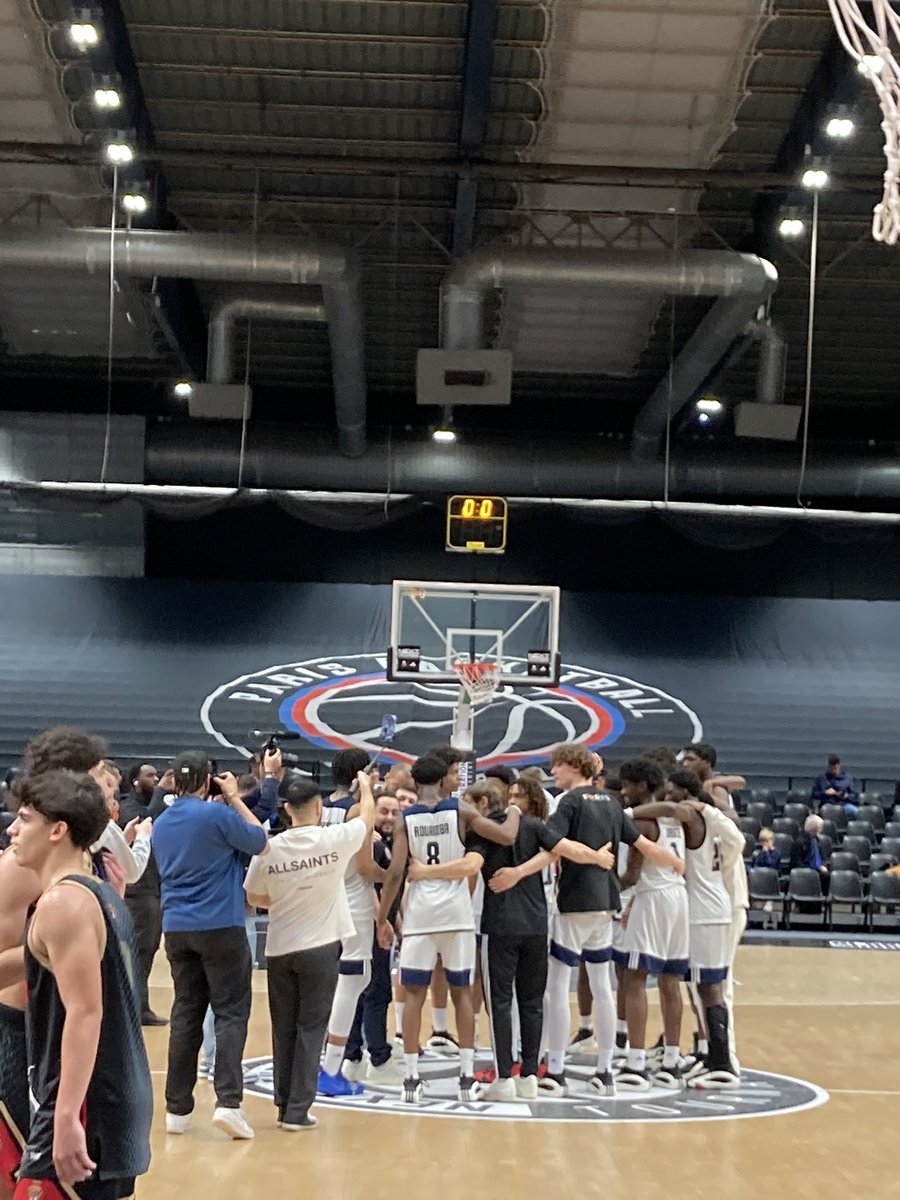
717	1023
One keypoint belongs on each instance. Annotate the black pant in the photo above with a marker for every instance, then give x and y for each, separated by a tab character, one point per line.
213	969
519	961
301	991
372	1011
146	915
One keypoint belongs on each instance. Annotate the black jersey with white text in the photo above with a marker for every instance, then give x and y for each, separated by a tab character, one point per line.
589	816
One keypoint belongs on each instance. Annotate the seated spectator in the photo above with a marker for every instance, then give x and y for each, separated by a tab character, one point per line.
807	852
766	855
836	787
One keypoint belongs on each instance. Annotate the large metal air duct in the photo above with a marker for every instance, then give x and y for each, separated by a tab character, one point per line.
279	456
742	282
225	314
148	252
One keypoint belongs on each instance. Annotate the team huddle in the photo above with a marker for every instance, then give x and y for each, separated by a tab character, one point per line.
641	875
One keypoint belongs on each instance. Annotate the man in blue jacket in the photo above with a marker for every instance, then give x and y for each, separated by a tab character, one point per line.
200	845
836	787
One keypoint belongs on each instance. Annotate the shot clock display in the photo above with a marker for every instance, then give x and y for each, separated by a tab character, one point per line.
476	524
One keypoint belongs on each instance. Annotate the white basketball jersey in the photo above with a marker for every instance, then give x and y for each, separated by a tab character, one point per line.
625	894
734	872
654	878
360	893
708	899
436	905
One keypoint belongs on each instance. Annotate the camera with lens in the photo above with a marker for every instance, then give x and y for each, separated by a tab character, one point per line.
272	742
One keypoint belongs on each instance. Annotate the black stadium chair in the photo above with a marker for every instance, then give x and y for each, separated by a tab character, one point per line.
764	889
875	799
762	810
786	825
857	828
826	846
836	813
884	900
762	796
890	845
862	848
829	829
749	825
749	846
784	844
843	860
797	812
846	889
805	894
880	861
873	813
797	796
892	829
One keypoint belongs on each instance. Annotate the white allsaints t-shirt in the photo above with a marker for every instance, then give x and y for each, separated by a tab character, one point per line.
303	876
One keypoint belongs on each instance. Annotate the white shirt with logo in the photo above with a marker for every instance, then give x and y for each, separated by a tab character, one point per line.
303	876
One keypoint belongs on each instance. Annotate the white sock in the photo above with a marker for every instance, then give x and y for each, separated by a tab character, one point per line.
637	1060
670	1057
439	1020
411	1066
586	1020
622	1027
557	1013
399	1006
334	1056
466	1061
703	1046
604	1013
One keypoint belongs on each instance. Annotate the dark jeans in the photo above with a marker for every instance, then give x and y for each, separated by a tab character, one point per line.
301	991
146	915
212	969
371	1013
519	961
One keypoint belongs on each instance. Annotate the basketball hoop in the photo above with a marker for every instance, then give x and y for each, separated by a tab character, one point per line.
875	51
480	680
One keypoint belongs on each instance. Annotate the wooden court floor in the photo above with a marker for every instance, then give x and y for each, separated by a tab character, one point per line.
826	1016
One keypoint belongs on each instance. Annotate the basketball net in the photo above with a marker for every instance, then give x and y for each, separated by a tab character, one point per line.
871	47
478	683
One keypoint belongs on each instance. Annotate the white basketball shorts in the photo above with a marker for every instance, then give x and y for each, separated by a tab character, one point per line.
419	954
656	937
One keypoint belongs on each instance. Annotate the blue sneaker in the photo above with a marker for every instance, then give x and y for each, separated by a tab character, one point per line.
337	1085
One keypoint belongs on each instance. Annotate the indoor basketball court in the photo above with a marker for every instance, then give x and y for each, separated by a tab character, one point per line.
387	382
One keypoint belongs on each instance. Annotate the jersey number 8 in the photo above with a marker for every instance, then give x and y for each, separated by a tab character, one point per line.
432	854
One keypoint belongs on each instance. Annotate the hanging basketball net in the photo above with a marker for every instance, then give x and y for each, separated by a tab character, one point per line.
875	49
479	679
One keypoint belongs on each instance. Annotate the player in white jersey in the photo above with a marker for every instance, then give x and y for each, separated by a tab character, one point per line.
356	951
655	935
438	918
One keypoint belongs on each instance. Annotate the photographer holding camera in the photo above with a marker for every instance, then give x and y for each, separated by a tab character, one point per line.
200	849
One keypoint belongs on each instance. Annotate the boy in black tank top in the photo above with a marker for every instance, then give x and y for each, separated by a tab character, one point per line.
88	1071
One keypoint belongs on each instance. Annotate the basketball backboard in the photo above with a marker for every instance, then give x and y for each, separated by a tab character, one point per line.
434	625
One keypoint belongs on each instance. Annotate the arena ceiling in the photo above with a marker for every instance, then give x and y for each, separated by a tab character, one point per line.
414	131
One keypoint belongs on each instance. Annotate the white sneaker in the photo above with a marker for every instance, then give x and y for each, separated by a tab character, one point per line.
389	1075
502	1089
233	1122
526	1087
178	1124
355	1071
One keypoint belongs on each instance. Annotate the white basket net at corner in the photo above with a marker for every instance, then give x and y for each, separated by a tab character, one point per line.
479	679
875	49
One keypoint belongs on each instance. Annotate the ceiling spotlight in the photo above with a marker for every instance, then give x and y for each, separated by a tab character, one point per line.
815	178
183	389
703	418
84	34
840	127
107	97
119	152
444	435
791	227
135	202
870	64
709	404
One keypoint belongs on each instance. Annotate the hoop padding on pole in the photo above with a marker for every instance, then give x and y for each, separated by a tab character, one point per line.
866	44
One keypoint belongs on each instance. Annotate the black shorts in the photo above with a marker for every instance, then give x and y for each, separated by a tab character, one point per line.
92	1189
14	1108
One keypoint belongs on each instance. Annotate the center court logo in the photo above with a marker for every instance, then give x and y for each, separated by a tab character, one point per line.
338	702
761	1094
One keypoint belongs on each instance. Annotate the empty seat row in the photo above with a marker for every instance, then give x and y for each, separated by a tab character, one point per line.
877	904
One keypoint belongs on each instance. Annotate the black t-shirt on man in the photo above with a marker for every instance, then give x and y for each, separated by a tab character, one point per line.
522	911
592	818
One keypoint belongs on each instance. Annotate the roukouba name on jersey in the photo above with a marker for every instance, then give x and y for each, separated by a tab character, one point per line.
338	702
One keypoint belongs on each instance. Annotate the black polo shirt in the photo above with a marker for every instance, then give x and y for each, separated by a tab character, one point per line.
522	911
588	816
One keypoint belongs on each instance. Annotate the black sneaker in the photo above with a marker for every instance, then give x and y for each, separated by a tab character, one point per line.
469	1088
152	1020
603	1083
621	1041
443	1042
629	1080
670	1077
412	1090
583	1035
553	1086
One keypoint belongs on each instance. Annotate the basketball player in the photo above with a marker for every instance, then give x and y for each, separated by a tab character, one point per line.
655	934
88	1070
439	919
355	970
700	758
587	896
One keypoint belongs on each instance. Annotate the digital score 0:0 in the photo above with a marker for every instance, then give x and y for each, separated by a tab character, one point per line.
476	524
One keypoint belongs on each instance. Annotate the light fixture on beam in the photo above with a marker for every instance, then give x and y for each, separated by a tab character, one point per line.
445	433
709	405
